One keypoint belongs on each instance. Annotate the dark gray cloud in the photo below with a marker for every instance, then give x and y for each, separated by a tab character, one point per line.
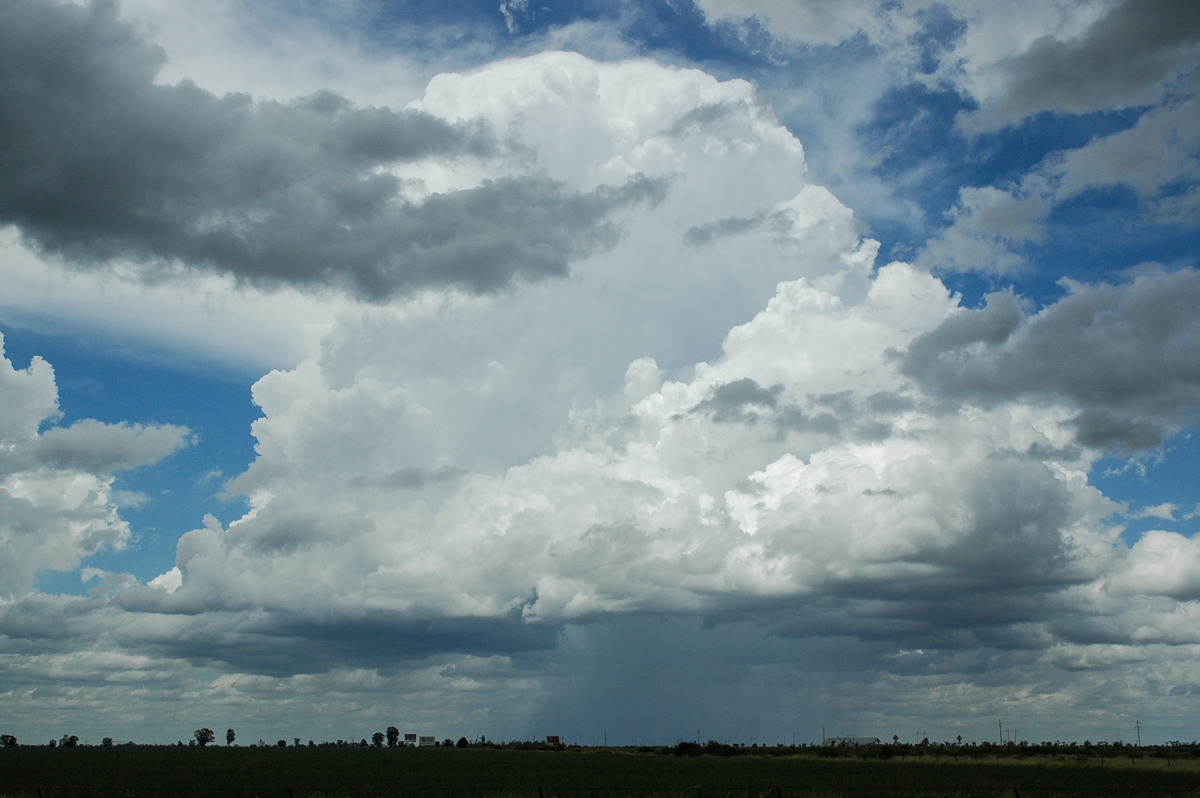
280	643
97	162
703	234
1095	427
283	644
100	448
947	628
95	447
773	221
745	401
992	324
37	623
1127	356
733	401
1121	60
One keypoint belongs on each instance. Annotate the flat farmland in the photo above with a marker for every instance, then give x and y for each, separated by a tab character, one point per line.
325	772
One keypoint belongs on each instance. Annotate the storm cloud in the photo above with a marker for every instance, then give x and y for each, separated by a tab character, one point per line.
99	163
1126	357
1122	59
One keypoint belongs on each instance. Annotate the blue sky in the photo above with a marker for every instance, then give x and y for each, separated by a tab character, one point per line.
482	367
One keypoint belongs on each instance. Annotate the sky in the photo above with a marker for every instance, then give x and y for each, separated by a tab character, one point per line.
632	371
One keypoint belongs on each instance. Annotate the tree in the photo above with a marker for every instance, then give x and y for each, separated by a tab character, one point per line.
204	736
7	741
230	736
393	736
462	742
106	742
68	741
377	739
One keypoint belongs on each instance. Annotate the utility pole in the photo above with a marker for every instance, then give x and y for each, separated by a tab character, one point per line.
1001	722
1138	725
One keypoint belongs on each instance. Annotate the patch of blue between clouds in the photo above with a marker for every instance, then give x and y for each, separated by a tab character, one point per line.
1082	246
939	32
480	16
1166	476
97	379
1006	155
680	28
912	133
674	30
929	160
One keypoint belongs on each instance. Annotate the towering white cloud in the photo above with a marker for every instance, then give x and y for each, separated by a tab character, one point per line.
424	479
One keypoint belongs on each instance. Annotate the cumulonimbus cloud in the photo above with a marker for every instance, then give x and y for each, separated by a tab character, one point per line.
825	458
860	454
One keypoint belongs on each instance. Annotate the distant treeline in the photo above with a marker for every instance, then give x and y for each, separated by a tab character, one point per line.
882	750
204	738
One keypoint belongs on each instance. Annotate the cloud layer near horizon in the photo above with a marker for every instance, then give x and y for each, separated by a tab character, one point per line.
703	423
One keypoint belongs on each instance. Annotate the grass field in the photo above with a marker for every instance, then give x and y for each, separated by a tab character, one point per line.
85	772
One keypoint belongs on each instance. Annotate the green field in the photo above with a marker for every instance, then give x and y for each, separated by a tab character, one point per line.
28	772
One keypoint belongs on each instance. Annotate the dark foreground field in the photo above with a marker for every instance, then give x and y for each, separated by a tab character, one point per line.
191	772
